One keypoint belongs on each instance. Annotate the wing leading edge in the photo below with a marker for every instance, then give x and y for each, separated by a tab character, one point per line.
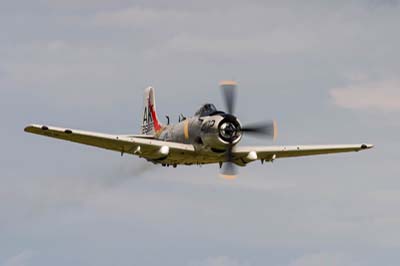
137	145
146	146
270	153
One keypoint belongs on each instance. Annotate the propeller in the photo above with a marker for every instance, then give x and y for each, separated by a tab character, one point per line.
229	91
267	129
229	168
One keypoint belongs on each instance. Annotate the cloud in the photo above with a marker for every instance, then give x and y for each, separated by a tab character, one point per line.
21	259
137	17
279	42
326	259
380	96
218	261
217	31
102	54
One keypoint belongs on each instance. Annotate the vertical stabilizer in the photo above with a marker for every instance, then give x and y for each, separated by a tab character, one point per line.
150	122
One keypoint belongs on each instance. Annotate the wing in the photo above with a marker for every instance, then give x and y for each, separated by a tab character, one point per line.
269	153
137	145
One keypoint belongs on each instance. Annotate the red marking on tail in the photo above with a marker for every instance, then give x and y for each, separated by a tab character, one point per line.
157	126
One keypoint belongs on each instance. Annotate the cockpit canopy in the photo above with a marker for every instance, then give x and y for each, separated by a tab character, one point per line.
207	110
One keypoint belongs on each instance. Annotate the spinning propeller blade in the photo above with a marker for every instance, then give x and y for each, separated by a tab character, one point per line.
229	168
229	91
268	129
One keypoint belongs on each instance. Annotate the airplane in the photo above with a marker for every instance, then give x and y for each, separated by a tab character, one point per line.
211	136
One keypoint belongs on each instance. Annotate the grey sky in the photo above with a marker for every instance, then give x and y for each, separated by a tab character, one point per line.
327	71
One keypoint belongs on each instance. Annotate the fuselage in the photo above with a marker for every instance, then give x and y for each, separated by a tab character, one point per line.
214	132
210	131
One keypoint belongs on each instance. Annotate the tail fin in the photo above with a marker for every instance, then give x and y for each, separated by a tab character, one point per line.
150	124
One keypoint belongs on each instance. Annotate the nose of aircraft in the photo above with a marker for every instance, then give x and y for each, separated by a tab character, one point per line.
229	128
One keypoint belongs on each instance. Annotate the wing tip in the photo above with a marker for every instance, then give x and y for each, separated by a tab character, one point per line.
33	127
29	128
367	146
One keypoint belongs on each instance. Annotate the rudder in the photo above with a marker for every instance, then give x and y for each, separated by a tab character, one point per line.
150	122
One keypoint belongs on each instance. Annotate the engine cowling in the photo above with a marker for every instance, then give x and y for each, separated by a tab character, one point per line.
220	131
